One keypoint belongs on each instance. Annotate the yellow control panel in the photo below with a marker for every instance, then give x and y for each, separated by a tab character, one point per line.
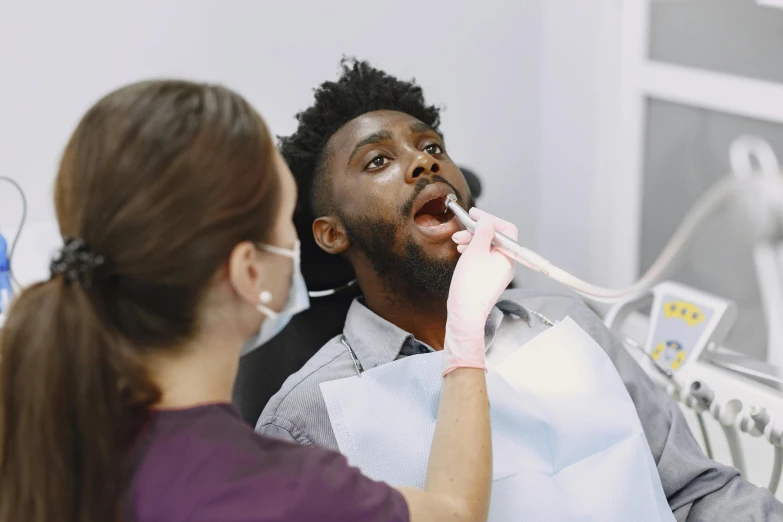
671	353
688	312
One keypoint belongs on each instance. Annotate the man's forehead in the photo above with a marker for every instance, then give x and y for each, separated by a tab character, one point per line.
369	124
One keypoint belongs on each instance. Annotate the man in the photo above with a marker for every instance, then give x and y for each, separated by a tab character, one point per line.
372	170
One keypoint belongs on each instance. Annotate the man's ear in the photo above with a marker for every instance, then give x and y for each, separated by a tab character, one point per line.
330	235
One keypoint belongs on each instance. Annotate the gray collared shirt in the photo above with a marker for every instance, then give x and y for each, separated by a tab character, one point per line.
697	488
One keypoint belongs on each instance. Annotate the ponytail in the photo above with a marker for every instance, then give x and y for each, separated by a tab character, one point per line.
73	395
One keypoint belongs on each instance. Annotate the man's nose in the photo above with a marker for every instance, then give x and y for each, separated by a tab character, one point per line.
422	165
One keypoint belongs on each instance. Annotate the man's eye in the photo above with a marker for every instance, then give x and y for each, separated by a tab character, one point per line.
377	162
433	148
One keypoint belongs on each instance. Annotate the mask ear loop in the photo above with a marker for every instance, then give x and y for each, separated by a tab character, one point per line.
290	253
265	297
314	294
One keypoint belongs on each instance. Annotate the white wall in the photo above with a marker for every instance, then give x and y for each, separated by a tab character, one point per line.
57	58
577	106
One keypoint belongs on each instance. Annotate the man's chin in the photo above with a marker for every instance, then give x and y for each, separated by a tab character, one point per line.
438	253
428	268
420	264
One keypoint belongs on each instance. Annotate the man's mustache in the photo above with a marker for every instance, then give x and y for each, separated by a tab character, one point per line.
421	185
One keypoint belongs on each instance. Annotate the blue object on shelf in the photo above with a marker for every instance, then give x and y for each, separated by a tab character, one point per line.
6	290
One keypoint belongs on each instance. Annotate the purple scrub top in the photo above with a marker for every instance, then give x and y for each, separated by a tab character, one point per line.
204	464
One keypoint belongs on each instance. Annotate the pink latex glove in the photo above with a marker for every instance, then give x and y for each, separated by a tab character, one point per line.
482	274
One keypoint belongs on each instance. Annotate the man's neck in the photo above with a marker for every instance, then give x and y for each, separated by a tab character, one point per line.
422	316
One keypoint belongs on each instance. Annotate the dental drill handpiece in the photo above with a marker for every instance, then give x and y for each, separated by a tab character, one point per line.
502	242
537	263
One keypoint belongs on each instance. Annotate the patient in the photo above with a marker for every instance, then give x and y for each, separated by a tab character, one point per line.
372	169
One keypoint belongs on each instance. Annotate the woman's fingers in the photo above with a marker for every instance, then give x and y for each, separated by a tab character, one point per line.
462	237
504	227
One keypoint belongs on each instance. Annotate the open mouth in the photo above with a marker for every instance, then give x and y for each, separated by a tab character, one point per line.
431	216
433	213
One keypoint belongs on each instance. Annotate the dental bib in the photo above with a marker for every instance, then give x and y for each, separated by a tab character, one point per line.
567	442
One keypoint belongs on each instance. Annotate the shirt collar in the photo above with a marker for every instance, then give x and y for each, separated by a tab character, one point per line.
376	341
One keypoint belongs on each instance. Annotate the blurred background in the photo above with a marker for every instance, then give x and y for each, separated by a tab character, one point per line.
592	124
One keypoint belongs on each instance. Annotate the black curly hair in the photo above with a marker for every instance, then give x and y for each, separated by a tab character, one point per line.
360	89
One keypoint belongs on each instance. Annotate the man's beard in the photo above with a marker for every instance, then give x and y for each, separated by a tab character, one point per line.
419	274
412	269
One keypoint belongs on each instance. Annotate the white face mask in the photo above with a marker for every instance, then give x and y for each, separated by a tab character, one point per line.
298	301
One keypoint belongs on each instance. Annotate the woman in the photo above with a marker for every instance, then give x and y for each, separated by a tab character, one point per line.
116	374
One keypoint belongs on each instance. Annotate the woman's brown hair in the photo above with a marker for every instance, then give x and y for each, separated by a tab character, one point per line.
162	180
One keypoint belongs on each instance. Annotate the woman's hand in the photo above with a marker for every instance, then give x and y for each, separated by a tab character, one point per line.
482	274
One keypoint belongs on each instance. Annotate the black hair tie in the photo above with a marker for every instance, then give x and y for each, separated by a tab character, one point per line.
77	263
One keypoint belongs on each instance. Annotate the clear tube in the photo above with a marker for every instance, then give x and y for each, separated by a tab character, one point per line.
722	191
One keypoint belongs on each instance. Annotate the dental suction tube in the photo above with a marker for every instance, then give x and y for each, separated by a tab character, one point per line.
722	191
